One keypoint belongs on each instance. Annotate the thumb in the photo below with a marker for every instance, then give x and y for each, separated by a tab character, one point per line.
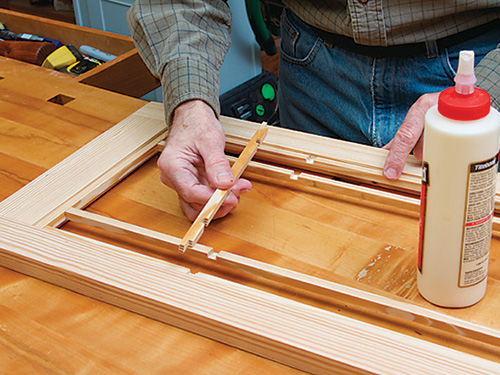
217	167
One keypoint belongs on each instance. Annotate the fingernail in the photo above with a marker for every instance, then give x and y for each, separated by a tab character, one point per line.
225	178
391	174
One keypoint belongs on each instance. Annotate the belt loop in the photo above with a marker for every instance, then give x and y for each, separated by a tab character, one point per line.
432	48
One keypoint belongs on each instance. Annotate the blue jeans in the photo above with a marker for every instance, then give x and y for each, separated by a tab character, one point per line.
331	91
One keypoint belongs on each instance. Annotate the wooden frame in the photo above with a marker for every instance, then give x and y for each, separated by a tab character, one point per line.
290	332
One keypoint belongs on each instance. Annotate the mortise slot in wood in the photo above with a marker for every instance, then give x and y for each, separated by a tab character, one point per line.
212	206
61	99
310	159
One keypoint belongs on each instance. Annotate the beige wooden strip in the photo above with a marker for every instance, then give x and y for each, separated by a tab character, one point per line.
339	158
130	230
311	339
212	206
382	307
292	178
315	153
378	306
49	195
347	160
324	155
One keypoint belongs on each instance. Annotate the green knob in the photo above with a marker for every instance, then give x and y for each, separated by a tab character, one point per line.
260	110
268	92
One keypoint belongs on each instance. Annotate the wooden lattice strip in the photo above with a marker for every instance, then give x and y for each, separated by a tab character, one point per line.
212	206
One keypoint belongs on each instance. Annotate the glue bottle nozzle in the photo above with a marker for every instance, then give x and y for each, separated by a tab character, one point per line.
465	77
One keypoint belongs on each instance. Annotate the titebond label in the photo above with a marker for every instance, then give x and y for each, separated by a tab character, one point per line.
480	208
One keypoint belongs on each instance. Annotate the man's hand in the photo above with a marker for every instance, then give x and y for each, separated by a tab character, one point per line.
193	162
408	137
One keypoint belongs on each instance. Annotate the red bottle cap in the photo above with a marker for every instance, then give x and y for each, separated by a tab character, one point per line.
461	107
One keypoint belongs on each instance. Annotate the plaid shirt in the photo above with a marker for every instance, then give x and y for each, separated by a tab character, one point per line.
184	42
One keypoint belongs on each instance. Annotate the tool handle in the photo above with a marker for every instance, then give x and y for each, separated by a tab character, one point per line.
97	54
30	52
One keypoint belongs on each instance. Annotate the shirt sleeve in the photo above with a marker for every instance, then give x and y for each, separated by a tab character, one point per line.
488	76
183	43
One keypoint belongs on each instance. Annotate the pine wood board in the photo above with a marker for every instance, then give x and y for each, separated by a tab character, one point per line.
172	294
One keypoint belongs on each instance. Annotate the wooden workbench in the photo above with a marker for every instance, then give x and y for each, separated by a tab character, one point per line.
45	329
49	330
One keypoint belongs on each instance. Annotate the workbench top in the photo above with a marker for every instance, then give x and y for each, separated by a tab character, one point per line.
45	116
45	329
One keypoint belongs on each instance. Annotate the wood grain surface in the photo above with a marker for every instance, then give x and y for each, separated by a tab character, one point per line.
45	329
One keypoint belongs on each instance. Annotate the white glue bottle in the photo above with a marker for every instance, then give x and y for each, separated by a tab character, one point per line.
460	161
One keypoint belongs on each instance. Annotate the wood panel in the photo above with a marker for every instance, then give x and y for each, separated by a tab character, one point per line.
301	336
